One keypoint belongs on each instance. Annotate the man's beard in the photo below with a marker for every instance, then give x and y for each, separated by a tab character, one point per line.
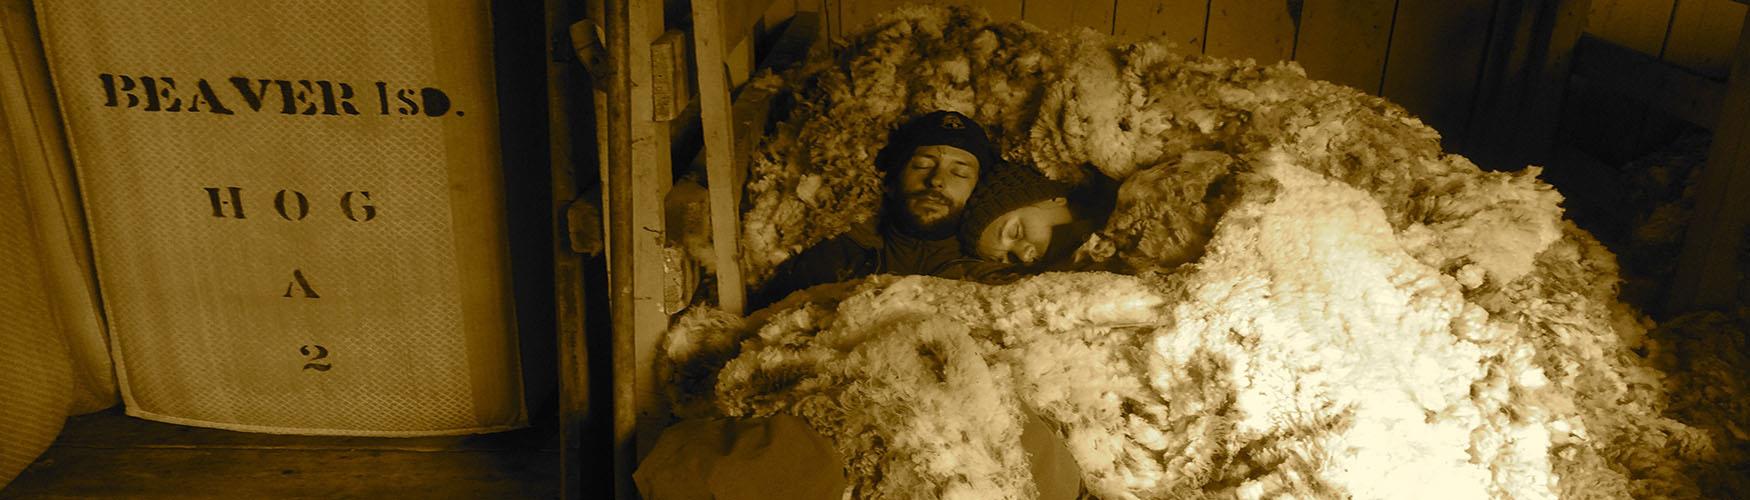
928	213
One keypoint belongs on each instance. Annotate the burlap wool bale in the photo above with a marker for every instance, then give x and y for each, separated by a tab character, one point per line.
36	376
296	210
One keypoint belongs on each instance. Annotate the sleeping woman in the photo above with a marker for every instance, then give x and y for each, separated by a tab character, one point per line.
1019	217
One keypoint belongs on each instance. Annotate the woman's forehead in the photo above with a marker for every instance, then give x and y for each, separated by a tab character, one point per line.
991	238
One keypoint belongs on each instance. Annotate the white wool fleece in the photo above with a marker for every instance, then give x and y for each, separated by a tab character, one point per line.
1327	305
1306	354
1059	101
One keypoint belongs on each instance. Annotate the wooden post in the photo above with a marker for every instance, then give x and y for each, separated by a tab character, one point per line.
714	110
569	295
1708	270
651	176
618	123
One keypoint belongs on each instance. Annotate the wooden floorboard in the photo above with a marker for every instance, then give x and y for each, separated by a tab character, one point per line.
76	472
109	455
111	429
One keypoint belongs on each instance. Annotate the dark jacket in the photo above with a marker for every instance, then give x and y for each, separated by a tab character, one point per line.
875	248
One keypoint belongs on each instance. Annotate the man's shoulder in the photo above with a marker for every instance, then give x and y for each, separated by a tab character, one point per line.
866	234
910	254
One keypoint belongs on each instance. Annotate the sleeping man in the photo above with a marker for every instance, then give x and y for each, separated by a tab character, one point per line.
930	166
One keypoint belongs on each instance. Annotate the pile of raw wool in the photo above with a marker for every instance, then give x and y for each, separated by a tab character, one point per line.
1706	353
1318	302
1659	201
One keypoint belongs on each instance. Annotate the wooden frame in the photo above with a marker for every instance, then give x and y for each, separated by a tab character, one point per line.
638	173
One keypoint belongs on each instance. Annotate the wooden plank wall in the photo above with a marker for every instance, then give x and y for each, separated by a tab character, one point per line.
1710	269
1695	35
1425	55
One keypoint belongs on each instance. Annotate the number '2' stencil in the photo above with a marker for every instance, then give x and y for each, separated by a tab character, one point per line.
316	353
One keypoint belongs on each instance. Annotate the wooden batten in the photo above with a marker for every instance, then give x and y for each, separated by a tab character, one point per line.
668	75
714	111
651	176
735	20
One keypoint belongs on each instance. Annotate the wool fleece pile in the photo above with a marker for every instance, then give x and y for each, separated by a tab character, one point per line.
1310	300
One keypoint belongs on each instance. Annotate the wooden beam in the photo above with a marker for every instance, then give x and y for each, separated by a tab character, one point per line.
736	19
716	118
617	122
1691	97
735	129
793	45
652	174
1708	272
569	296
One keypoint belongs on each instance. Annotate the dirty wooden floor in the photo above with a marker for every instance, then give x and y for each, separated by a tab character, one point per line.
110	455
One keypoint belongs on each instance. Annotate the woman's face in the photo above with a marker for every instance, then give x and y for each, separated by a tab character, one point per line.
1022	235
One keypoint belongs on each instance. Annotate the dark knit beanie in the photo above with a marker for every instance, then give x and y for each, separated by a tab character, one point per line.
939	128
1003	188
